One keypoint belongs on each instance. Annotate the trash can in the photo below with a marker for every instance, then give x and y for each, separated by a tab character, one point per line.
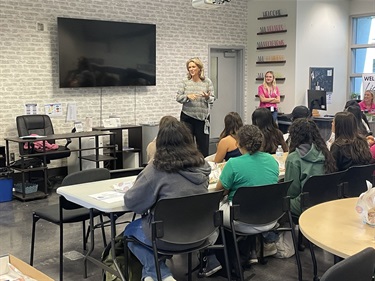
6	185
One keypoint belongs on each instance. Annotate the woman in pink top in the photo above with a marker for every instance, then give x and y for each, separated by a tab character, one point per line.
269	94
368	102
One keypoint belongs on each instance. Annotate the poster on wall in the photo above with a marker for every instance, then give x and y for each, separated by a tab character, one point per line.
31	108
368	82
321	78
53	109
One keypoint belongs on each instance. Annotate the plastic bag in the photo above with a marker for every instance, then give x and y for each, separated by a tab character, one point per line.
284	245
366	205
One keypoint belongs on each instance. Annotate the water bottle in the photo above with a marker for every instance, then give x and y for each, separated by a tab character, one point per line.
280	156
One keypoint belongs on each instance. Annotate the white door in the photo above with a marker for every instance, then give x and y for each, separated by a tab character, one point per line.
226	72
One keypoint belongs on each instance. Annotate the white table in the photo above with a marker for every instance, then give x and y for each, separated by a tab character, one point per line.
81	194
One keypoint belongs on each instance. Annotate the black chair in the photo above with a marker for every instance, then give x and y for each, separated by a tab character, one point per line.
260	205
68	212
186	223
318	189
355	179
359	267
39	125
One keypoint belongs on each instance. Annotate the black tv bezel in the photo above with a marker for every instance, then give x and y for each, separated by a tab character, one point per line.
62	79
313	95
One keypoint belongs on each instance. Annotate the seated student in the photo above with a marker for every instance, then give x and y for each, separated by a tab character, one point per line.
308	156
262	118
252	168
151	147
353	106
227	146
178	169
349	148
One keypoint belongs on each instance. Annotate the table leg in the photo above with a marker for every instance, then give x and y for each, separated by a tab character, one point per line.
92	245
113	236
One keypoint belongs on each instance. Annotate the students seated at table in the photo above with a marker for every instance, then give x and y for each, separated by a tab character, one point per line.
308	156
227	146
349	148
353	106
262	118
252	168
178	169
151	147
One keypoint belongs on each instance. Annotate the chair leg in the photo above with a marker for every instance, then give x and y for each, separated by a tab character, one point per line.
103	232
262	260
315	266
156	259
35	219
294	238
61	252
225	253
301	247
239	266
85	236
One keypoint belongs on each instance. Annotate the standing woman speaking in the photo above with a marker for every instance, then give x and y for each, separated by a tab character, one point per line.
196	94
269	94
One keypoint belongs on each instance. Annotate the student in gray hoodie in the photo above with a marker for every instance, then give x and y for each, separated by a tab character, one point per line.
178	169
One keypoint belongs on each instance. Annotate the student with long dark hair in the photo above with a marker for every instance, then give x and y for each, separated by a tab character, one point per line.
308	156
227	146
178	169
349	148
262	118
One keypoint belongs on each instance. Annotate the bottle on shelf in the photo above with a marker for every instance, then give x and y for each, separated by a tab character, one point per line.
280	156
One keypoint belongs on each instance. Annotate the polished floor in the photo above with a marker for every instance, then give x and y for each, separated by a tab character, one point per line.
15	237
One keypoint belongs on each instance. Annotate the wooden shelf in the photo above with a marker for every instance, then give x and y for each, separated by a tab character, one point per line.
272	17
277	79
100	158
270	62
271	32
271	47
281	96
31	196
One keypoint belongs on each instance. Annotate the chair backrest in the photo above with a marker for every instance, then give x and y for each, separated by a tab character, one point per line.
33	124
355	179
84	176
321	188
188	219
359	267
261	204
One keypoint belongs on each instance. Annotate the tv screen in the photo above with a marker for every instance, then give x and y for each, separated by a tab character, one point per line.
316	100
94	53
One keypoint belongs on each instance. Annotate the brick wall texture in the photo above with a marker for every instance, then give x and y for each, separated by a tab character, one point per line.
29	58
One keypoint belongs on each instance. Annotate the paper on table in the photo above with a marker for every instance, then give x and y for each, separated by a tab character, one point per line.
109	196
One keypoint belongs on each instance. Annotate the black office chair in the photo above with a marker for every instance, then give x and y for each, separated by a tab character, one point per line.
186	223
355	179
318	189
39	125
260	205
359	267
68	212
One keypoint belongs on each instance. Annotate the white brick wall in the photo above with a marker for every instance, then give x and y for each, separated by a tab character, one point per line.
29	58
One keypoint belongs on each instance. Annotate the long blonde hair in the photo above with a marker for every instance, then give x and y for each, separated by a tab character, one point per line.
265	85
198	63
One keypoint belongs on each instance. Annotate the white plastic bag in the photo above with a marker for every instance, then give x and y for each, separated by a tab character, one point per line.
366	205
284	245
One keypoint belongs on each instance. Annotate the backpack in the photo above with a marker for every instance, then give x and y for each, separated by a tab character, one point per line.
134	267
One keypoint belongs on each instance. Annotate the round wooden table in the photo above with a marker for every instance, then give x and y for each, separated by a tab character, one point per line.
336	227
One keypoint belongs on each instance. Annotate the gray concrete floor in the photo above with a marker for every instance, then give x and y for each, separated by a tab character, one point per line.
15	237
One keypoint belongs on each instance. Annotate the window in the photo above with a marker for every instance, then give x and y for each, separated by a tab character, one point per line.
362	50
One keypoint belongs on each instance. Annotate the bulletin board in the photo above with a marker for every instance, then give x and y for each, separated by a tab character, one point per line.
321	78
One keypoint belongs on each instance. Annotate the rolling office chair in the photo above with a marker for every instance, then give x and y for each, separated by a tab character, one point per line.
40	125
68	212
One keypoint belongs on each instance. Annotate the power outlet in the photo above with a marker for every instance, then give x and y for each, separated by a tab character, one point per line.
12	157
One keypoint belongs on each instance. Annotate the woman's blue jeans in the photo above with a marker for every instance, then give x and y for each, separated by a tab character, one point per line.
144	255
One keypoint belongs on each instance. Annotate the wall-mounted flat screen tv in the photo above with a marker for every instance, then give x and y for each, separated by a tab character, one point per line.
94	53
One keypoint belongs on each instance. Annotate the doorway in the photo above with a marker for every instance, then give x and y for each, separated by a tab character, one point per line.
226	69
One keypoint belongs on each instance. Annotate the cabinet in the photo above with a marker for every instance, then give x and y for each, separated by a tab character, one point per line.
2	156
129	156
